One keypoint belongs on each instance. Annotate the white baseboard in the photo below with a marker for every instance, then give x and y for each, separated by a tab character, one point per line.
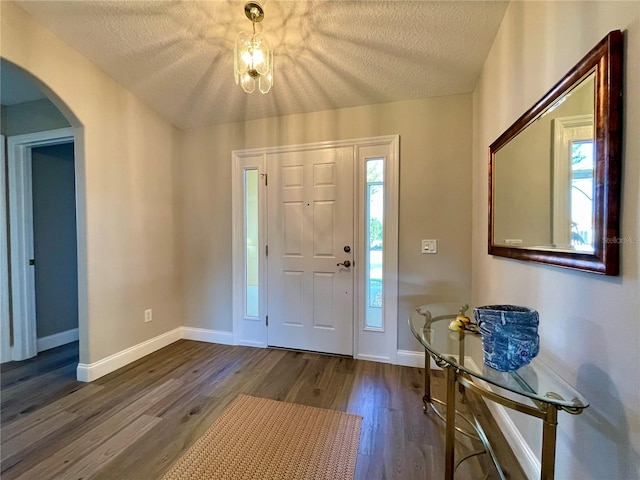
56	340
373	358
206	335
92	371
408	358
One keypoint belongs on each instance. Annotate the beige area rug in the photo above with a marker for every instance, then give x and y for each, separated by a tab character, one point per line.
262	439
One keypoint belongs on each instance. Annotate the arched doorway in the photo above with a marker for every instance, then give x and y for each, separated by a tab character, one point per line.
38	174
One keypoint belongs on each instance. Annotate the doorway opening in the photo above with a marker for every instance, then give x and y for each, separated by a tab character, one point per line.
43	242
55	245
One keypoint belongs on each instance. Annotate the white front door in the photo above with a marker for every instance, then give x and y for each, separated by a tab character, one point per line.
310	233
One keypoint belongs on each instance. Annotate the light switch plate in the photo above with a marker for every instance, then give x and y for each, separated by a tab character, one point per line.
429	246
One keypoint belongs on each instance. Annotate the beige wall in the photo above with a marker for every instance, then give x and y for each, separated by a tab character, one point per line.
435	164
590	324
126	155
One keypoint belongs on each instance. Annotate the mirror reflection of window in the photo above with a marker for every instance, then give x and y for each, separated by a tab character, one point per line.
573	183
582	191
533	177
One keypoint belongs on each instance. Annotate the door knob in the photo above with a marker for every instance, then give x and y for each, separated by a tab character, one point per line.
346	264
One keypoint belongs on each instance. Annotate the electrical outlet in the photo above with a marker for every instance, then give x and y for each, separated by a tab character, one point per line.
148	315
429	246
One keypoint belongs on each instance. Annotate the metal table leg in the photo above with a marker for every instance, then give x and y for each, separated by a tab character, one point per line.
426	400
449	457
549	443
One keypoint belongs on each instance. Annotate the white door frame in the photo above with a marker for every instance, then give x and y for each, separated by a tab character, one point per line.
21	233
247	330
5	345
379	345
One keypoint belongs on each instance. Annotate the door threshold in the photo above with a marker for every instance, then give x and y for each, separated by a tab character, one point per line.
299	350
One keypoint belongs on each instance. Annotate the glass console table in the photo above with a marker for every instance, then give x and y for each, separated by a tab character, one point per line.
533	389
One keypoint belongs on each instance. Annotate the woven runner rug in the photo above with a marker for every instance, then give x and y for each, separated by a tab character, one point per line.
262	439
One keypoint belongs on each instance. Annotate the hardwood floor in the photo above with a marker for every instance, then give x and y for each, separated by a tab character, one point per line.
136	422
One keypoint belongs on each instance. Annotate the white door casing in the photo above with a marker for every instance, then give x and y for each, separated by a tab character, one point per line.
379	344
5	344
310	222
21	228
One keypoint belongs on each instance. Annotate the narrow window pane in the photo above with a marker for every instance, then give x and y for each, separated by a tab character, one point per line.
251	242
374	242
582	191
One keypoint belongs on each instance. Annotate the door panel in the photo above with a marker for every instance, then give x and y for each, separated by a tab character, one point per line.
292	296
310	221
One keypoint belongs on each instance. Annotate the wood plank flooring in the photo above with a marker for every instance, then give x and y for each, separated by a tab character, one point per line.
136	422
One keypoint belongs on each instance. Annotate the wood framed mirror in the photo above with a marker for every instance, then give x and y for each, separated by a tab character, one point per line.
554	175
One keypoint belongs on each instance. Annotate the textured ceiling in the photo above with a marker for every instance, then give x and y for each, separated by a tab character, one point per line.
177	56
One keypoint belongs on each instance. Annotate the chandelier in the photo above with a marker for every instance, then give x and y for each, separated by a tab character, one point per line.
253	56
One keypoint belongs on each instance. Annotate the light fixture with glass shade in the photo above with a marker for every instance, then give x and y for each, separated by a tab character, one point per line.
253	56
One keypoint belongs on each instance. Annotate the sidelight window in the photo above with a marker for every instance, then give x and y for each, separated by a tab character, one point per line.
374	242
252	272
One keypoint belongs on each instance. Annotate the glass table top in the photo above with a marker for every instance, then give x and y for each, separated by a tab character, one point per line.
463	350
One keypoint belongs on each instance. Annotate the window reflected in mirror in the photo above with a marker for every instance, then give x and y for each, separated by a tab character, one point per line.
582	192
544	177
